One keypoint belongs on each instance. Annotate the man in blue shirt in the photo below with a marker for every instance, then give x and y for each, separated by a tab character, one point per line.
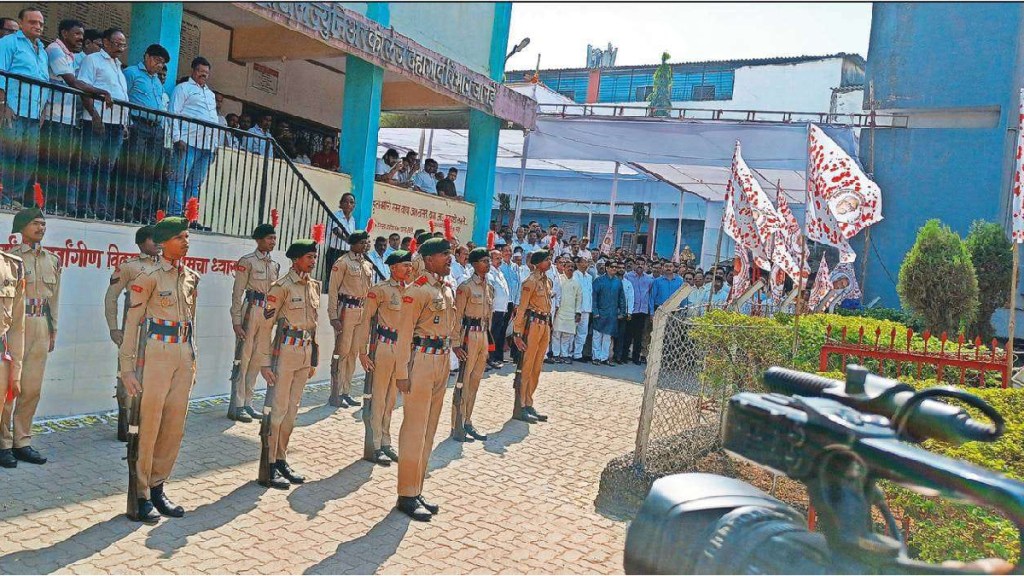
609	308
636	274
22	105
665	286
146	137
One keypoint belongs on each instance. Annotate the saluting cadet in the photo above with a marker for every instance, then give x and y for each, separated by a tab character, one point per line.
123	275
390	361
12	337
532	332
254	273
351	278
158	360
431	303
474	302
292	305
42	291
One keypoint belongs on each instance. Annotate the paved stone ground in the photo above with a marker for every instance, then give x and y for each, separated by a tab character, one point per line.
522	502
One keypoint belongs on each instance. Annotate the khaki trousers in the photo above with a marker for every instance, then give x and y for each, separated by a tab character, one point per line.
5	382
473	371
422	410
351	340
538	334
167	378
292	373
23	408
256	329
385	393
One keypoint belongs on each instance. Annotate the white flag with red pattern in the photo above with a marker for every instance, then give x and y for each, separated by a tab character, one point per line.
822	285
749	217
842	201
740	274
1018	177
787	248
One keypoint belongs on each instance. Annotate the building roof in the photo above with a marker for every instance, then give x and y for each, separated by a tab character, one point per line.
773	61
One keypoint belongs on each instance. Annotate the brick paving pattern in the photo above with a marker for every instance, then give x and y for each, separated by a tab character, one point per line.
521	502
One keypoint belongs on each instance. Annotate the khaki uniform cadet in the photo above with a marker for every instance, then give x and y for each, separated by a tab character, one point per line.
158	355
474	303
431	302
254	273
292	305
351	279
12	336
393	337
533	326
42	292
123	275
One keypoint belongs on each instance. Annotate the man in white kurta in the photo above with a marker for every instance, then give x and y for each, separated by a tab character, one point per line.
567	315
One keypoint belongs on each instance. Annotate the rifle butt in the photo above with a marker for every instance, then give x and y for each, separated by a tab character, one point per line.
263	475
132	431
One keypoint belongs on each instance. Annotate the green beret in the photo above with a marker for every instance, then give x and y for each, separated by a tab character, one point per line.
358	236
397	257
539	256
23	217
300	248
423	237
143	234
169	228
262	231
434	246
477	254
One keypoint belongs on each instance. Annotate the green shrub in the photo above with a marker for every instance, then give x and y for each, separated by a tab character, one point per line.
992	256
739	349
937	280
891	314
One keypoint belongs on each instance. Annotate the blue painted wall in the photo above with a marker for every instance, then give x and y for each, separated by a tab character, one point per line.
153	23
934	56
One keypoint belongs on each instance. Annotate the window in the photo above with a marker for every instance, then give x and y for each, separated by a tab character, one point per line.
704	92
643	93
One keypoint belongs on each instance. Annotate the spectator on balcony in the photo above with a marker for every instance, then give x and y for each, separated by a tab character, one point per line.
388	167
22	53
337	236
327	157
146	139
103	127
61	153
93	41
259	145
193	143
301	157
424	180
231	140
8	26
446	186
410	166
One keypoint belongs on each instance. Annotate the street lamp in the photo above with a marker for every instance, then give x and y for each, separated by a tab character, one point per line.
518	47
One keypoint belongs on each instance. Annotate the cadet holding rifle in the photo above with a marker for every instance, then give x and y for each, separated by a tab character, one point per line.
158	361
474	301
290	361
42	291
532	334
351	279
254	273
12	336
123	275
388	360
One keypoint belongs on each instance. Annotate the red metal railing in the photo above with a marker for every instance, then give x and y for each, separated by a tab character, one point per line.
993	360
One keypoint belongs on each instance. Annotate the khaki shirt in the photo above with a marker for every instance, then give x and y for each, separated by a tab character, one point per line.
119	281
536	296
387	301
12	307
294	299
254	271
164	290
351	275
474	299
42	276
431	302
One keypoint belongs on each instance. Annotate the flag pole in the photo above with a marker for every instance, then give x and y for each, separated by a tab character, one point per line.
1013	309
871	170
718	255
803	246
1015	182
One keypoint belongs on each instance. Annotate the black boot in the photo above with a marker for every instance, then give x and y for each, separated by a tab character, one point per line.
533	412
122	424
380	458
472	432
289	474
432	508
29	454
7	459
252	413
164	504
147	513
336	401
276	480
390	453
413	508
524	416
459	435
239	415
350	400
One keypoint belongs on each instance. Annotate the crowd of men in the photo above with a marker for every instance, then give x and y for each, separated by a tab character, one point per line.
406	172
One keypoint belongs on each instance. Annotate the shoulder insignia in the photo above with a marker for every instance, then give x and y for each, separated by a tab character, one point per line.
407	299
136	288
421	281
239	267
371	294
271	298
334	268
114	280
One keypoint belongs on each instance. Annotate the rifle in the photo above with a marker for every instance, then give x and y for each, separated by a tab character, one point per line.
119	392
368	449
458	417
517	383
236	365
334	399
134	415
263	475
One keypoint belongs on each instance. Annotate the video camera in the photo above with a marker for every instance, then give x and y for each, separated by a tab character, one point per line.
839	439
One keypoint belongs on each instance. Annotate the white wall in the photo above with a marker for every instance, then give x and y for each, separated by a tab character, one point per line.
81	371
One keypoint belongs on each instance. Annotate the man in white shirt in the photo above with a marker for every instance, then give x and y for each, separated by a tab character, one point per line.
261	130
586	282
584	249
388	167
460	269
103	139
424	180
193	143
336	236
499	316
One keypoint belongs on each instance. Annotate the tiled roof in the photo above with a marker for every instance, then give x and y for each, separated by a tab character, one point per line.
725	63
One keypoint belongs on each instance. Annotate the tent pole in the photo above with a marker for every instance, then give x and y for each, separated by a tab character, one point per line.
653	236
430	144
803	246
871	170
423	139
679	229
615	191
590	220
1012	331
522	182
718	255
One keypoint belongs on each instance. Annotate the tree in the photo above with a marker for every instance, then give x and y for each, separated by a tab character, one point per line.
937	280
992	256
661	94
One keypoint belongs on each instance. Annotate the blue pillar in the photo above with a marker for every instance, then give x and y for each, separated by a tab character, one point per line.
360	121
156	23
483	133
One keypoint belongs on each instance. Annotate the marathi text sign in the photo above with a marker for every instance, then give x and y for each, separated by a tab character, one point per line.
355	34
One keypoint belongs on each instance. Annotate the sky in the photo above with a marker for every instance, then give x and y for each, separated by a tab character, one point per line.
560	32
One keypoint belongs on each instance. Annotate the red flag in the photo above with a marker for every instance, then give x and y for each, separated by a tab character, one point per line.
449	234
317	233
37	191
192	210
369	225
275	217
490	240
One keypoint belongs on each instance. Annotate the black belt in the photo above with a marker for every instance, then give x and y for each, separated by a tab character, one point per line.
169	331
296	333
349	301
538	316
255	296
386	334
431	344
472	322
